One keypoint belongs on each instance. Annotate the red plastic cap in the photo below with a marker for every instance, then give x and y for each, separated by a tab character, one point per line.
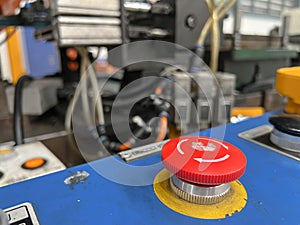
203	160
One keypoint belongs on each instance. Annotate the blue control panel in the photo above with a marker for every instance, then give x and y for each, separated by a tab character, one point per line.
271	180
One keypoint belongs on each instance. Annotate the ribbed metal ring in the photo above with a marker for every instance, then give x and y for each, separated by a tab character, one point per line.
199	194
285	141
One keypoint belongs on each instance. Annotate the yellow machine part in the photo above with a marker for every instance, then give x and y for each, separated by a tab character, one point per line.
248	111
288	84
15	55
234	202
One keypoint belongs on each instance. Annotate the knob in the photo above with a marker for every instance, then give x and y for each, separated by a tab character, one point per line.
202	167
286	131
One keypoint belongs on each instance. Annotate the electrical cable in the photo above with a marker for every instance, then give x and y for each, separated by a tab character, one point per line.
208	23
217	12
207	26
87	73
91	75
215	42
163	128
210	5
83	91
68	117
163	107
97	94
18	115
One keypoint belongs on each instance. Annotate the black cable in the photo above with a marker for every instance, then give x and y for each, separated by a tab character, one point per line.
18	115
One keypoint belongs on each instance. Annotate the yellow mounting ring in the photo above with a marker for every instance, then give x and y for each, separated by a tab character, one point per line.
233	203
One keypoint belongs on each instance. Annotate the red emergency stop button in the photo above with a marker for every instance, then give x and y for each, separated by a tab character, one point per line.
34	163
203	160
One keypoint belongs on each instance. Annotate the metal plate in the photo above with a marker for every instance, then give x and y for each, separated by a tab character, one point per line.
88	34
91	7
91	12
90	4
22	153
88	31
88	20
142	152
261	136
89	42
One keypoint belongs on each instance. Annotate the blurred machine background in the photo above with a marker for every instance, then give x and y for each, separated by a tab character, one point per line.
87	81
80	31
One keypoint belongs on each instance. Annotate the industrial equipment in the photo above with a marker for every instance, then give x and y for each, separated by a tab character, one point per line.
166	20
287	83
39	96
254	54
110	23
218	175
99	199
283	135
89	23
176	100
73	24
28	160
199	185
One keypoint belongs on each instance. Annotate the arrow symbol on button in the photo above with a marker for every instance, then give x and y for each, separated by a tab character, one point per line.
179	146
201	160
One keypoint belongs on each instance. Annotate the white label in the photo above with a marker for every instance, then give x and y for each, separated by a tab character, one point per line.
17	215
21	215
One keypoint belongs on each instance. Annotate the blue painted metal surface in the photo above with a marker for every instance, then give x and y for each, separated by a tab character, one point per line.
43	58
272	182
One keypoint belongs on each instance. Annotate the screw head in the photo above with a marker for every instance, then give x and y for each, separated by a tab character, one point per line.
191	22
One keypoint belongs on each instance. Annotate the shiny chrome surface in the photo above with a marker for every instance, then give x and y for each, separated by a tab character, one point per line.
204	195
137	6
91	7
142	152
82	11
88	20
261	136
285	141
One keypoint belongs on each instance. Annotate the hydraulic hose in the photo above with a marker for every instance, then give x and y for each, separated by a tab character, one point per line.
217	12
163	129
